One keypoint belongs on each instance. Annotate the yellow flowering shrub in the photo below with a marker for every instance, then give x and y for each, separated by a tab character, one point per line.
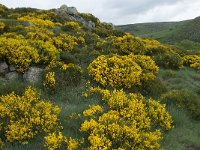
18	52
65	42
55	141
47	51
38	33
23	117
149	67
193	61
37	21
127	121
153	47
120	71
49	80
2	26
93	110
71	25
128	44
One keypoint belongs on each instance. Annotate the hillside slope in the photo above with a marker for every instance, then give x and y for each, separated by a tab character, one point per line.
70	81
168	32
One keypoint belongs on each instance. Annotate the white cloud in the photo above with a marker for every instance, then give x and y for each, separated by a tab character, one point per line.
122	11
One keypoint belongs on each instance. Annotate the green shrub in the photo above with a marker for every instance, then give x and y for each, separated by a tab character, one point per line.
166	74
71	25
1	144
184	99
7	87
65	75
67	58
153	88
169	60
73	75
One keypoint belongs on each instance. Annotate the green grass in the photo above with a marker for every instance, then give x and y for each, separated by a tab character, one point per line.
185	78
186	133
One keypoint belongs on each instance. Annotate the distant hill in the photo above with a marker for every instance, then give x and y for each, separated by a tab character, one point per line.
168	32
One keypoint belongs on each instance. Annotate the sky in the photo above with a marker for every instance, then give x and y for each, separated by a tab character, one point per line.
120	12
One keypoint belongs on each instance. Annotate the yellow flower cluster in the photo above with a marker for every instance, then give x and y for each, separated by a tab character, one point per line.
154	47
128	122
55	140
128	44
149	67
18	52
38	33
47	51
2	25
49	80
37	21
96	109
159	113
193	61
120	71
23	117
72	25
65	42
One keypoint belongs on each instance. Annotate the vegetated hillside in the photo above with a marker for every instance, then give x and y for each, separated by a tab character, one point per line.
168	32
69	81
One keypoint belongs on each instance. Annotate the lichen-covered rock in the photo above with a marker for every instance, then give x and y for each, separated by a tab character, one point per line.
69	10
12	76
33	74
3	67
12	68
91	24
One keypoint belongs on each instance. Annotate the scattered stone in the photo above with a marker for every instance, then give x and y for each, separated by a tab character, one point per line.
12	76
33	74
12	68
3	67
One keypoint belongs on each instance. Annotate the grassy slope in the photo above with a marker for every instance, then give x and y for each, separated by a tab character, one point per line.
169	32
186	133
184	136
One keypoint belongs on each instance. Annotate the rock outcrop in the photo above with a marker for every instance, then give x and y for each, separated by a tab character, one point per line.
69	10
71	13
9	73
33	74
